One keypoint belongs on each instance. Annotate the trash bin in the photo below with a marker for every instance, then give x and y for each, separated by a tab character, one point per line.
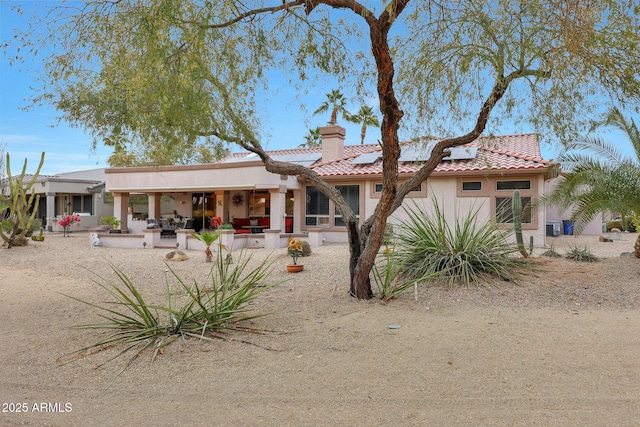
567	226
553	228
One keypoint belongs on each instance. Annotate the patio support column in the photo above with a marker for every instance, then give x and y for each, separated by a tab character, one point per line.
154	205
51	209
277	208
120	208
298	210
221	208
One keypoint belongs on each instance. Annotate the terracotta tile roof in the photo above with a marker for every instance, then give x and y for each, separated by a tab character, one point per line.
508	152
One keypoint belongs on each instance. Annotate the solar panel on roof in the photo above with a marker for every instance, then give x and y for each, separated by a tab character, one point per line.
462	153
304	159
422	153
249	156
367	158
416	153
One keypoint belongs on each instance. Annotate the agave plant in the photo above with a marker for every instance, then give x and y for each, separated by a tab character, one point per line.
430	248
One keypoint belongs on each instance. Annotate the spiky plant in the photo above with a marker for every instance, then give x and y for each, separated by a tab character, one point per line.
19	202
388	277
205	312
430	248
580	253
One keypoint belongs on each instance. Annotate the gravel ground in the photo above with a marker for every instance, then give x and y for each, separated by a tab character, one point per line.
557	346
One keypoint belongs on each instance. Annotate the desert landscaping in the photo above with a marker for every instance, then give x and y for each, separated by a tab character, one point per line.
556	347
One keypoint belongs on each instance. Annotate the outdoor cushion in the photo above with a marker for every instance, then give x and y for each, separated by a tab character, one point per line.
240	222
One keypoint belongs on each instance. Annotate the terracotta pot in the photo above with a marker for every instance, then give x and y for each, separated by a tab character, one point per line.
295	268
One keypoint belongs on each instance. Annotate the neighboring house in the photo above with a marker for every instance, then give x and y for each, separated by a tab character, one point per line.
81	192
267	208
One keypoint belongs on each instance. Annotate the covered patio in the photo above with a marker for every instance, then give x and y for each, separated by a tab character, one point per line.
265	209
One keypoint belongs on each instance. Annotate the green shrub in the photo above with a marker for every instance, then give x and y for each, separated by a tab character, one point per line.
111	221
628	224
139	325
614	224
306	248
430	248
577	253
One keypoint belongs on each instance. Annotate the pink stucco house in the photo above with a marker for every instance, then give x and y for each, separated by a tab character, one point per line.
267	208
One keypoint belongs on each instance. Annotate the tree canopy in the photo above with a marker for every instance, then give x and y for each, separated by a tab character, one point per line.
174	71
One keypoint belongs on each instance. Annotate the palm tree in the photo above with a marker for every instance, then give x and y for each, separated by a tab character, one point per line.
336	102
600	179
365	116
207	237
312	139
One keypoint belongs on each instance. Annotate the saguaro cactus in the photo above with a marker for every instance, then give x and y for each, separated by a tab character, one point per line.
516	206
18	202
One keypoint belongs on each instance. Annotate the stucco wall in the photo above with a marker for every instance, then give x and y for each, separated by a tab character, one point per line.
556	214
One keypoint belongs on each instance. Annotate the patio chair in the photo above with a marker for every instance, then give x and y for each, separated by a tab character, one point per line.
167	229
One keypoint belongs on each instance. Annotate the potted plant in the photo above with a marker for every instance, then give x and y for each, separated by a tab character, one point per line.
295	251
112	222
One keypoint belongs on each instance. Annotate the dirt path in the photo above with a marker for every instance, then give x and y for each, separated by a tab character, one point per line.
460	357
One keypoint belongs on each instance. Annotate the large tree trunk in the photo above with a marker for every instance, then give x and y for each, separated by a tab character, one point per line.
637	246
359	288
370	234
364	244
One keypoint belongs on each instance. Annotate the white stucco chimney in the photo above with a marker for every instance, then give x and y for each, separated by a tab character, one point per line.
332	142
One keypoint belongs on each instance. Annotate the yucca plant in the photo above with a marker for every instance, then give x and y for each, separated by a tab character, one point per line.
388	278
136	324
430	248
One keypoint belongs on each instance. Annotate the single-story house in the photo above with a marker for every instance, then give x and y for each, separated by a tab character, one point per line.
266	208
81	192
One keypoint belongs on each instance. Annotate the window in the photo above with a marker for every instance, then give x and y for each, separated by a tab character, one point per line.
318	206
87	204
504	210
377	188
82	203
351	194
513	185
498	191
472	186
77	204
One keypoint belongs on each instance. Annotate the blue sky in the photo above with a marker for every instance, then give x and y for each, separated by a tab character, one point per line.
26	134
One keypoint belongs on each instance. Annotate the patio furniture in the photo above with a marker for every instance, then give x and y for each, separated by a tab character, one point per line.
215	222
168	230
